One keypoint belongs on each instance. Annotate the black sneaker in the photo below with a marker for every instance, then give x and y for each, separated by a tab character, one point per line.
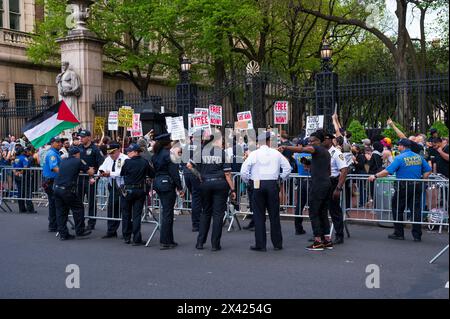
84	233
110	236
67	237
300	232
338	241
327	244
138	243
199	246
216	248
195	229
127	241
166	246
417	240
316	246
278	248
52	230
257	248
396	237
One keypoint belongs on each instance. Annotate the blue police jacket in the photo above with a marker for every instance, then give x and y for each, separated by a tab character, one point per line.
21	162
52	160
409	165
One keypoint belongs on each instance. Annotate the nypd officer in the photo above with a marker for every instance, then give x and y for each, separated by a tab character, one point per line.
50	171
216	182
110	169
167	182
23	179
66	197
135	170
262	168
339	171
407	165
93	157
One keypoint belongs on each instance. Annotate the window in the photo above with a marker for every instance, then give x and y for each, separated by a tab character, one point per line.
1	13
24	95
14	14
119	97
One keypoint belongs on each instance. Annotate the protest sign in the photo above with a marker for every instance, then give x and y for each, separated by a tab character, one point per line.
201	111
177	128
201	122
99	125
136	128
241	125
215	114
313	123
280	112
113	121
169	124
125	116
246	116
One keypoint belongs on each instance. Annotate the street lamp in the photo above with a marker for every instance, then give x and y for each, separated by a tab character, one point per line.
325	53
185	64
186	91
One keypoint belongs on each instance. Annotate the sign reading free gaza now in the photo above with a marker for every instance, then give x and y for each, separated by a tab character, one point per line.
280	112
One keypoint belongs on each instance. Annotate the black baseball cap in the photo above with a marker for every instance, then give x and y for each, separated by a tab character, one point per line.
405	142
133	148
84	133
163	137
55	139
74	150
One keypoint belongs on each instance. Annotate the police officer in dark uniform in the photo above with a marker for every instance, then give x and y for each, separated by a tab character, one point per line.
193	185
216	182
23	180
407	165
66	197
167	181
50	170
135	171
93	157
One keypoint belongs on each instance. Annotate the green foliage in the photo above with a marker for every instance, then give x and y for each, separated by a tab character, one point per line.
357	130
389	132
441	128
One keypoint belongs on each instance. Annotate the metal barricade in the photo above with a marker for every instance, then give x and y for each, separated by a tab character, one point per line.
389	200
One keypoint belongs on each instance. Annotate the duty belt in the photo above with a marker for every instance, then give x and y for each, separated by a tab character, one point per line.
134	186
214	179
64	187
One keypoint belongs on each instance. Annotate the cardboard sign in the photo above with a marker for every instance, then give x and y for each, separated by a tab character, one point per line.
125	116
177	128
280	112
246	116
99	125
113	121
313	123
201	122
241	125
215	114
201	111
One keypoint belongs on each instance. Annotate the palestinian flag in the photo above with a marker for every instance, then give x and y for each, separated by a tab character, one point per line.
41	128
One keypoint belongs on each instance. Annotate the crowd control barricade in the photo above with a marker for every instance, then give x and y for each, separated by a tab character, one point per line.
388	200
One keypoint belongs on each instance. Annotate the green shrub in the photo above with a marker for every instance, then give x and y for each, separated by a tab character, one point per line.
357	130
441	128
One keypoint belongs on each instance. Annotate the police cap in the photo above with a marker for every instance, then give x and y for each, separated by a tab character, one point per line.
405	142
73	150
55	139
133	148
163	137
84	133
112	147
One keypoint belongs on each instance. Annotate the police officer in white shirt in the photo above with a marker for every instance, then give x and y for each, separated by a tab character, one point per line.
111	168
262	169
339	171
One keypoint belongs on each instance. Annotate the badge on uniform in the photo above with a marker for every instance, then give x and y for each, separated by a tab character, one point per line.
256	184
89	151
52	158
17	160
341	156
119	163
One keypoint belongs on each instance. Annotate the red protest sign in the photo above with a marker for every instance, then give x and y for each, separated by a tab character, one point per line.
215	114
280	112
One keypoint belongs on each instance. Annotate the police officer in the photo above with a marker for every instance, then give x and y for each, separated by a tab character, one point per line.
167	182
134	172
319	190
50	171
262	169
111	168
407	165
23	179
193	185
339	171
216	182
93	157
66	197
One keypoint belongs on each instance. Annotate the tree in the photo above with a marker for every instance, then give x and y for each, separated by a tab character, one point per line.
357	130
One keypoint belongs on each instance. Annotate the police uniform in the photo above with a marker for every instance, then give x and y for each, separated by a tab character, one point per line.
167	180
262	169
134	172
114	168
66	197
193	185
337	163
214	191
408	165
52	160
24	182
93	158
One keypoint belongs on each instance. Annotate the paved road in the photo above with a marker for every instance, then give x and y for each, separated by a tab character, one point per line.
33	264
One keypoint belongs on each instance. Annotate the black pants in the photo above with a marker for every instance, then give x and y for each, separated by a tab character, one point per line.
266	197
302	194
319	198
24	186
113	208
193	185
167	202
407	195
214	204
84	188
250	202
52	225
66	200
131	207
335	209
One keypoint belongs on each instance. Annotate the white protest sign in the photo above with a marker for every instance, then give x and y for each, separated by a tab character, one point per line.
313	123
190	124
246	116
201	111
280	112
169	124
113	121
201	122
215	114
177	128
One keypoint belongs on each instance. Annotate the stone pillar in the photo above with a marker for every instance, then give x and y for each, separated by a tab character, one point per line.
85	54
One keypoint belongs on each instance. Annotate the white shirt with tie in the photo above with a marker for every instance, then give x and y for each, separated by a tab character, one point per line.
337	161
107	166
264	164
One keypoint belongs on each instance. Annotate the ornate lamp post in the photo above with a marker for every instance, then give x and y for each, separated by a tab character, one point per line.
186	91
